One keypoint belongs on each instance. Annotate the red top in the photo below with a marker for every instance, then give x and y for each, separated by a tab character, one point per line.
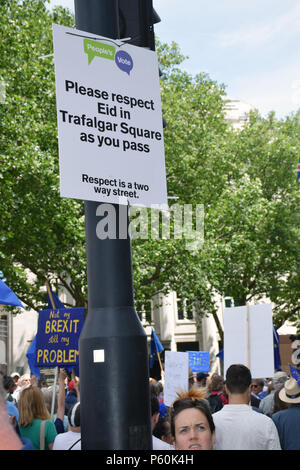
223	398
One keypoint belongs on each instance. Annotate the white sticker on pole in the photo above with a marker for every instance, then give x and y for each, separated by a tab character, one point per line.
110	131
98	355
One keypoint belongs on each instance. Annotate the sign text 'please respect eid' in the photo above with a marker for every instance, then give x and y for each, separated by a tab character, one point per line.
57	337
109	120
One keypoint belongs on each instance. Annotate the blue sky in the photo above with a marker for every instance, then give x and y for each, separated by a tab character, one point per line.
253	47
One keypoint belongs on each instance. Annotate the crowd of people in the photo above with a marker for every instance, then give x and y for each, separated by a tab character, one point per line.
216	413
40	417
235	413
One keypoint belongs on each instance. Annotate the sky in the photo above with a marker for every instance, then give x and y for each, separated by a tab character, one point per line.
251	46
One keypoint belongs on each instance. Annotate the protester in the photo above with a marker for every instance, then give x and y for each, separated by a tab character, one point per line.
59	417
48	397
162	430
278	403
163	409
216	397
71	395
70	440
201	379
24	381
13	414
192	379
192	425
9	440
33	412
15	376
156	388
238	426
287	421
267	404
157	444
9	386
258	388
12	410
254	400
160	390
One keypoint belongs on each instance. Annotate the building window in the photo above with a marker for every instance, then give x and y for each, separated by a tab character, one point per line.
185	309
188	346
145	312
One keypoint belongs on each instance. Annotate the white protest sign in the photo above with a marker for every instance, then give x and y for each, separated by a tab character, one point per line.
248	339
110	131
176	375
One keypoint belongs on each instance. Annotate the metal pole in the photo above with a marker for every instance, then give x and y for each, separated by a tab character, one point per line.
54	392
113	354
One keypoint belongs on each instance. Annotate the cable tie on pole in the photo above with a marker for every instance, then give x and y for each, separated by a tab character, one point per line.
45	56
123	40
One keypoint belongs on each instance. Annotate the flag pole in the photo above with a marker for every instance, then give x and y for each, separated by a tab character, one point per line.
56	368
248	335
50	294
160	364
161	367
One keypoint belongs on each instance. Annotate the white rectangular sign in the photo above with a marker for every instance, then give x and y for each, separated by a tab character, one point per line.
110	133
176	375
255	333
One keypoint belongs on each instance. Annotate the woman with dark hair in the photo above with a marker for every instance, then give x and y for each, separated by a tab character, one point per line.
279	405
162	431
216	397
192	425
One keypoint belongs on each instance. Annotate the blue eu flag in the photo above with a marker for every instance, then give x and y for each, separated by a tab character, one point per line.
295	373
31	359
8	297
220	355
155	348
277	360
57	302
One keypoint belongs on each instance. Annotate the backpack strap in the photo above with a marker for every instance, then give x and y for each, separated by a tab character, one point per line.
74	444
42	435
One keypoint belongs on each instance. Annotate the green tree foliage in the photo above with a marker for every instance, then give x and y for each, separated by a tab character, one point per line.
246	180
253	229
194	110
40	232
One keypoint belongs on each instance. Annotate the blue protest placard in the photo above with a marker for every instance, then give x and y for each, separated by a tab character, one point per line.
199	361
57	337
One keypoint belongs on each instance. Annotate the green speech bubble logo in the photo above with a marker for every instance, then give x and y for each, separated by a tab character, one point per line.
95	48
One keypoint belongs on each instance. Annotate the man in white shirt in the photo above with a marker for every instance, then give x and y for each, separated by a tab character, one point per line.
158	444
70	440
23	382
238	427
